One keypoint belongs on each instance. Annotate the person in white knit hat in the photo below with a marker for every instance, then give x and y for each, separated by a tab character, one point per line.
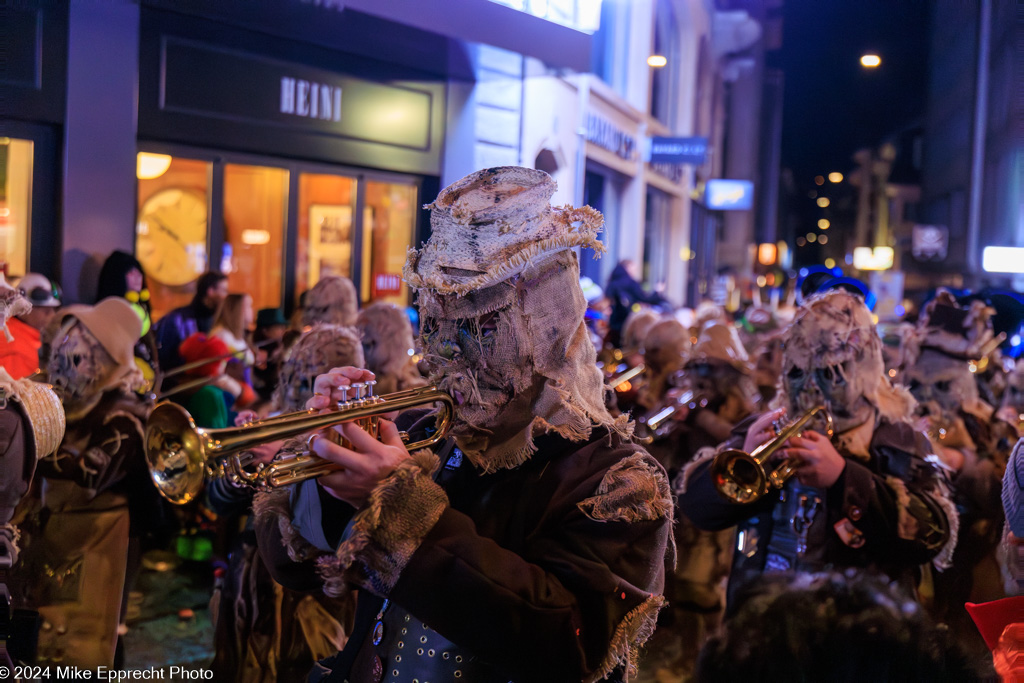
532	545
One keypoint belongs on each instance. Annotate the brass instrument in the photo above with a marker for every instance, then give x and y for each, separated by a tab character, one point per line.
655	424
180	455
624	378
742	478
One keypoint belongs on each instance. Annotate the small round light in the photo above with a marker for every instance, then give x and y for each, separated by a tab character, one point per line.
822	239
811	237
823	202
823	223
830	263
657	61
870	61
819	180
835	177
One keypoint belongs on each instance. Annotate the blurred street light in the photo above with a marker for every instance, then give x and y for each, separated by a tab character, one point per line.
819	180
657	61
822	239
823	202
870	61
811	237
830	263
766	253
835	177
823	223
800	241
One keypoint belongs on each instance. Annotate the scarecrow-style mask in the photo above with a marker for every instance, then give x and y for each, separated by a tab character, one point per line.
79	369
332	301
935	356
833	355
315	353
502	314
387	338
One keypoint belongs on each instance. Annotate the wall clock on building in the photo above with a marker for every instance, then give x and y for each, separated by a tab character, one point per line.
171	236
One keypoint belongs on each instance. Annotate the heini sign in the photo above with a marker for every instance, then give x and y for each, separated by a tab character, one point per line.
310	100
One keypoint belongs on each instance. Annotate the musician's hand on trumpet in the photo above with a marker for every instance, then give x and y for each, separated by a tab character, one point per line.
817	461
762	430
367	461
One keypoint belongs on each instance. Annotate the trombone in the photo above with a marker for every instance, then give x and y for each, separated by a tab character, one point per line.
621	382
653	424
180	456
742	478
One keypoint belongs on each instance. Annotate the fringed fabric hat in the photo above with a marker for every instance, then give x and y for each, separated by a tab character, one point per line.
949	328
491	225
498	245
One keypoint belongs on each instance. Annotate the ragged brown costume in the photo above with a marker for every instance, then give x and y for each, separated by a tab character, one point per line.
536	554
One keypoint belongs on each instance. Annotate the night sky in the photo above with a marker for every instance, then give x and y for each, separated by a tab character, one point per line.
834	106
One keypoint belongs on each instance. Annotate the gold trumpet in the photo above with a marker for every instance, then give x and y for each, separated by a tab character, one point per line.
742	478
180	456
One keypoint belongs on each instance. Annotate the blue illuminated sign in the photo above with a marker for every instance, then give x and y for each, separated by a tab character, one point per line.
729	195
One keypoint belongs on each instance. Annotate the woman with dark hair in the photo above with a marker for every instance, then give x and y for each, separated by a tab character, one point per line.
122	275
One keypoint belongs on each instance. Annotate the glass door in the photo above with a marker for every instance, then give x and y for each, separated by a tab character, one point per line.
389	226
326	228
255	217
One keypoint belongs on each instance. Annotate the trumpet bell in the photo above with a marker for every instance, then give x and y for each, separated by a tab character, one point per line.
739	477
175	453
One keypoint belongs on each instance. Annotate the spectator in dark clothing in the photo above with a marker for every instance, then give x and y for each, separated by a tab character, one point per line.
623	290
181	323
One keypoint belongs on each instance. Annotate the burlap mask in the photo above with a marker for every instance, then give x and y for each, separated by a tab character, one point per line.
833	355
315	353
502	314
79	369
388	346
935	355
332	301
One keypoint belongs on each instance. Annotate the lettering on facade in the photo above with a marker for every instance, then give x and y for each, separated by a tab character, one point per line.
673	172
310	100
604	134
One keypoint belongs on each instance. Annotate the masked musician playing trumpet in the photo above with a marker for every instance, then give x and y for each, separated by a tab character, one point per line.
864	498
531	545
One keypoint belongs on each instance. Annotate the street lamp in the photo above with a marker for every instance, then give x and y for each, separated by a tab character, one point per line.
870	61
657	61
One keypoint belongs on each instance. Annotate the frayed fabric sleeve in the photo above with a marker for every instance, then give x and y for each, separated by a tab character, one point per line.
385	533
576	601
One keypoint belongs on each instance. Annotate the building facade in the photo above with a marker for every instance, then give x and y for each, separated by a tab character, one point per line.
283	141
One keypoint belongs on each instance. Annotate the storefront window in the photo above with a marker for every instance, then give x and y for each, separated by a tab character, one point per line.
172	228
326	227
255	204
388	226
15	204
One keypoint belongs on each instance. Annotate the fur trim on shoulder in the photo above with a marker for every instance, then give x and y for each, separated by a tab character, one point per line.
944	560
271	506
388	530
632	632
